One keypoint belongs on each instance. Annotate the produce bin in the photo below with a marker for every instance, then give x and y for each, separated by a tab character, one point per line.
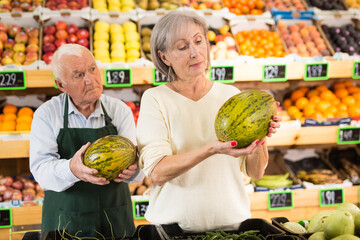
277	221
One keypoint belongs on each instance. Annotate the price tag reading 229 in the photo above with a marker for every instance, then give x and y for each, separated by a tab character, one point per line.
280	200
12	80
118	77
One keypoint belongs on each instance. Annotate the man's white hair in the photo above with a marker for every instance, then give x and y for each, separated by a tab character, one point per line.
70	49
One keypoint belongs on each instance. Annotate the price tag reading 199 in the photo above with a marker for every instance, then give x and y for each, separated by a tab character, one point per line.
118	77
139	208
316	71
330	197
159	78
280	200
12	80
224	74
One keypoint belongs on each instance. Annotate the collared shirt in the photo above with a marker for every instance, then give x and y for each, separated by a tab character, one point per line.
53	173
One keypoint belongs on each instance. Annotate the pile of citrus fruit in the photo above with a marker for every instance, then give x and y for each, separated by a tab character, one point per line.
341	100
260	43
245	7
13	118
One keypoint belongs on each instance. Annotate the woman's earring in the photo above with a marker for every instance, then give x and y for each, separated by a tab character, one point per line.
168	75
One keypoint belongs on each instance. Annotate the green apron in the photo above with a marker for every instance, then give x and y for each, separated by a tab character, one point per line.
81	208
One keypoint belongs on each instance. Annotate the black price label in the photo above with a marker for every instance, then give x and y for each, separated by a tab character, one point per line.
356	70
159	78
331	197
348	135
316	71
224	74
280	200
10	80
118	77
5	217
139	208
274	73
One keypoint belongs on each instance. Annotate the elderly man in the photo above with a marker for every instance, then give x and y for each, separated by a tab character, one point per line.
61	131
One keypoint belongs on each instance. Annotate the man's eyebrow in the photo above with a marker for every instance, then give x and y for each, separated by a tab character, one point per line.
76	72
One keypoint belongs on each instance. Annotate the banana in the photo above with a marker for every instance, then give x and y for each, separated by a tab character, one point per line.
273	183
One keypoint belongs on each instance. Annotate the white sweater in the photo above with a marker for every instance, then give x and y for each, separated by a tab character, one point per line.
212	194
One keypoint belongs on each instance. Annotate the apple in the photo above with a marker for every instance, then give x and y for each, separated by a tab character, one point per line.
7	53
49	47
19	47
60	25
72	28
34	40
7	60
3	27
32	48
82	34
50	30
15	4
19	57
17	9
219	38
8	44
31	57
21	37
72	38
131	105
62	6
61	34
25	6
32	32
47	57
49	38
59	42
84	42
13	30
3	36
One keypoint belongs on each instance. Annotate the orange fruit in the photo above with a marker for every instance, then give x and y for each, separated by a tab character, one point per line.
293	111
339	85
328	114
321	88
9	108
312	92
303	89
357	96
353	89
8	126
342	114
354	111
1	117
342	107
348	83
341	92
326	95
25	111
301	102
323	105
335	101
9	116
295	95
23	126
315	99
349	100
309	111
287	103
24	118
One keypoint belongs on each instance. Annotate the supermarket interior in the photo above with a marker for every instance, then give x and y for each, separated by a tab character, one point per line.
305	53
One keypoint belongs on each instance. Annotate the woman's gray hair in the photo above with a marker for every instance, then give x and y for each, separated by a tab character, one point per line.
164	35
70	49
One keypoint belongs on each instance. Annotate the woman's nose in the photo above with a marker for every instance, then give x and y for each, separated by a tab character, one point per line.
193	51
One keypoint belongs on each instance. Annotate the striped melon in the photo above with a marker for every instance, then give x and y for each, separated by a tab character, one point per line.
245	117
110	155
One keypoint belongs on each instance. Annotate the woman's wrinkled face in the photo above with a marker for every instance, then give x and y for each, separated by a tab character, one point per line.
188	53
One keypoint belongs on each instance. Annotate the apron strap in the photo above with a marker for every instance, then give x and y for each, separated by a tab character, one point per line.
66	110
108	119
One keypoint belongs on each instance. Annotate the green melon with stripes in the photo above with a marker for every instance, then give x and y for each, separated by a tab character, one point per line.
245	117
110	155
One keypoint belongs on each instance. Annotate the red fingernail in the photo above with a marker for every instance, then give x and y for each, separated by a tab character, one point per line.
263	143
257	141
233	143
275	118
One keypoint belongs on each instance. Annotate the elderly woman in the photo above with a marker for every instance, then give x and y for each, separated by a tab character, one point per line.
197	180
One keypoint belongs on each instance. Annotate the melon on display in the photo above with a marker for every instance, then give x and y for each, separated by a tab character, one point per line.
110	155
245	117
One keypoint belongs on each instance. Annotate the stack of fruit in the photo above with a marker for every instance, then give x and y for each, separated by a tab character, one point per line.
260	43
320	103
245	7
201	5
7	6
303	39
352	3
145	40
327	4
140	188
222	43
155	4
104	6
18	45
318	176
66	4
124	42
14	119
286	5
274	181
60	33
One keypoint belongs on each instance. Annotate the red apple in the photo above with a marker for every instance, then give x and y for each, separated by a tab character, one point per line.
47	57
84	42
19	47
3	36
32	48
72	38
7	60
219	38
21	37
60	25
72	28
19	57
59	42
8	44
62	6
48	38
50	30
32	32
33	40
49	47
7	53
13	30
82	34
61	34
3	27
31	57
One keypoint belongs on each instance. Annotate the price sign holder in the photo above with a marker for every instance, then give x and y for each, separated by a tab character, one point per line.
316	71
12	80
139	208
5	218
274	73
356	70
280	200
224	74
348	135
119	77
159	78
331	197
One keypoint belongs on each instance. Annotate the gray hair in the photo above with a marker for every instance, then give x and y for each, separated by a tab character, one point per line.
164	35
70	49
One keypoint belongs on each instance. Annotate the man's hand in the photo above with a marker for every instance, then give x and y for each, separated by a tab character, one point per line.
127	173
83	172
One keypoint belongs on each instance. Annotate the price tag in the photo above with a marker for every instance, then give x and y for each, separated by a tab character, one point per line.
11	80
139	208
348	135
118	77
224	74
5	217
316	71
356	70
274	73
280	200
159	78
331	197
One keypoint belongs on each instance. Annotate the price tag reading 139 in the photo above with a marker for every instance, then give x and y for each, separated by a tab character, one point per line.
118	77
331	197
224	74
139	208
316	71
12	80
280	200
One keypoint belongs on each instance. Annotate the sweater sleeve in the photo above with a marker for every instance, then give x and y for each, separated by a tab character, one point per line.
152	133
